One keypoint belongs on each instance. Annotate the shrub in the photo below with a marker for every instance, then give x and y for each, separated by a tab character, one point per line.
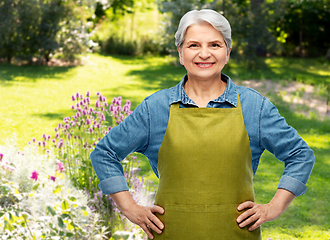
31	29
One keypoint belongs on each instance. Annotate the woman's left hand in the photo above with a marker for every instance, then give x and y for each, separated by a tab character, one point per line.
261	213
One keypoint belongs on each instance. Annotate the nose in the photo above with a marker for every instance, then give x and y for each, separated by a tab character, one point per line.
204	53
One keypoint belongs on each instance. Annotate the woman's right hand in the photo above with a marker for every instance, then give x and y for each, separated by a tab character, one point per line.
145	218
140	215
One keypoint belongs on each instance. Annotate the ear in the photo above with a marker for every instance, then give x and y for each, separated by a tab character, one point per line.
180	55
228	55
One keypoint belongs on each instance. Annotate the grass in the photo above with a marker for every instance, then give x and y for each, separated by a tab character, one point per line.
34	99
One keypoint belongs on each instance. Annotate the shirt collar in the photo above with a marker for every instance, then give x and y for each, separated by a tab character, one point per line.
230	94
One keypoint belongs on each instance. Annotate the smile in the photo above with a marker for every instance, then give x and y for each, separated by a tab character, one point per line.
204	65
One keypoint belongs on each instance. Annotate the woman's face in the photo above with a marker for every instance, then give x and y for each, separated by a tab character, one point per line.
204	52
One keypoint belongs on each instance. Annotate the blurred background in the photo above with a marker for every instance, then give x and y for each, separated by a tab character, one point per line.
42	30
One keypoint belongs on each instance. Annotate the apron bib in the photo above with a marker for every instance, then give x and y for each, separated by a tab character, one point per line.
204	166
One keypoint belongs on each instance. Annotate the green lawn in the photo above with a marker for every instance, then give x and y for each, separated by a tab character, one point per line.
34	99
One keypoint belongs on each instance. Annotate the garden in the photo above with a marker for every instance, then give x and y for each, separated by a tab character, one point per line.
53	113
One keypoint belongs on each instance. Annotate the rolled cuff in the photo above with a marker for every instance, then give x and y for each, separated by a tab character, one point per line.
113	185
293	185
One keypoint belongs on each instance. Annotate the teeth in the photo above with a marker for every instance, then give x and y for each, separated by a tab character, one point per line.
204	64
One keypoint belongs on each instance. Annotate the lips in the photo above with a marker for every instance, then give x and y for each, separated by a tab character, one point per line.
204	64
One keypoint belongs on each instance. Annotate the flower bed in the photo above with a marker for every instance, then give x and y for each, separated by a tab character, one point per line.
49	190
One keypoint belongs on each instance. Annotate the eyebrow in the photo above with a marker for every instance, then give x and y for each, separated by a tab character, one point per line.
213	41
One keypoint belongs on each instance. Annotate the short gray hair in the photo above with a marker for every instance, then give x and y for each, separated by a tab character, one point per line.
212	17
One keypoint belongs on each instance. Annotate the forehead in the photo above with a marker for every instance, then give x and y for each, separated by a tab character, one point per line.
202	31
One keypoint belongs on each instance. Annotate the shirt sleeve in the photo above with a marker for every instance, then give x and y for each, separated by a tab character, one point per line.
131	135
284	142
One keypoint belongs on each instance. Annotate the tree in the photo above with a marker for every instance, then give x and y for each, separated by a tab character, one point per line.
32	29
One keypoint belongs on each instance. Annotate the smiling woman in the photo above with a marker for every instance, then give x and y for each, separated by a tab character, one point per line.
204	138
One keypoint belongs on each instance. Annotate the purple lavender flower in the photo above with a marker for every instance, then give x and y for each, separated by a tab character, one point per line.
52	178
78	114
105	104
88	121
97	104
1	157
73	98
109	128
33	140
81	96
39	143
48	137
60	144
34	175
84	113
44	144
77	95
56	129
98	93
88	94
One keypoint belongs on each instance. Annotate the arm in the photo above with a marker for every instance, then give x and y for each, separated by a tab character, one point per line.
129	136
261	213
140	215
283	141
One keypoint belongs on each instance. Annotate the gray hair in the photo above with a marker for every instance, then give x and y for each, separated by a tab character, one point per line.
212	17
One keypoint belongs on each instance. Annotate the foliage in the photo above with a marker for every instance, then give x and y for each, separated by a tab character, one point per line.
41	204
132	30
305	25
31	29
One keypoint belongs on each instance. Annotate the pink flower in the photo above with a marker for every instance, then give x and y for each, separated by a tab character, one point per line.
34	175
60	167
87	94
52	178
73	98
1	157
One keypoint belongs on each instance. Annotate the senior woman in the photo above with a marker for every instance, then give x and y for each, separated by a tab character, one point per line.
204	138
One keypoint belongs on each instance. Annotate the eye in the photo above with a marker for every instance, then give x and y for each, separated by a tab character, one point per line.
215	45
193	45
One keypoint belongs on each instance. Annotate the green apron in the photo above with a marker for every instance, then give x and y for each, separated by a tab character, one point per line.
204	166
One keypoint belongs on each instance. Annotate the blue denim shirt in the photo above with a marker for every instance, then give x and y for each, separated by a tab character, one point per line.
144	129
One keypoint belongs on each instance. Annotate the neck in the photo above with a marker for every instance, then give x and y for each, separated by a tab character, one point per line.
201	92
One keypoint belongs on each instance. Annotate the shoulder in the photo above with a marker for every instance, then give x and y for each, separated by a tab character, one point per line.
251	97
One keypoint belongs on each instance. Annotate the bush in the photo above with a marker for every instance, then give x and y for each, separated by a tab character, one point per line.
37	30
